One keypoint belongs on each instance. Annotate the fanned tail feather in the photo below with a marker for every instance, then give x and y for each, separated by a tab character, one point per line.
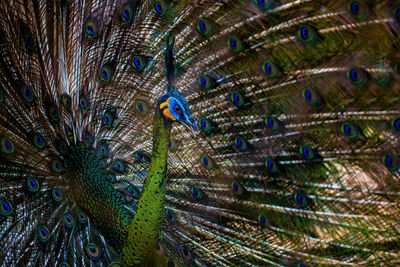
296	161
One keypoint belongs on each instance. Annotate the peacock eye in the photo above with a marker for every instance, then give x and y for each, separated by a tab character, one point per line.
177	109
270	69
350	130
127	13
307	34
112	177
68	220
207	162
355	7
205	125
91	29
142	107
27	94
391	162
56	165
356	76
311	97
301	199
106	73
43	233
6	208
202	26
236	44
119	166
238	99
272	165
358	9
395	123
56	194
6	146
66	101
93	251
262	220
139	62
159	8
307	152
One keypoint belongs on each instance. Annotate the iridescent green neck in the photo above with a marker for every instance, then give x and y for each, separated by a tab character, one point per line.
96	196
144	232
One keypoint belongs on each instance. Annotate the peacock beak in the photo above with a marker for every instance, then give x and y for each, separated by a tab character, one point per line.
190	124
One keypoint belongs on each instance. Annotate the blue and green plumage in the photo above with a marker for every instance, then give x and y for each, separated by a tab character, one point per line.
295	162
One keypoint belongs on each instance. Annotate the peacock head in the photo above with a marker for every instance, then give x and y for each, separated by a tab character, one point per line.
174	108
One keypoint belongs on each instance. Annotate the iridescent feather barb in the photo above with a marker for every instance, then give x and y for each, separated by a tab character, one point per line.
296	162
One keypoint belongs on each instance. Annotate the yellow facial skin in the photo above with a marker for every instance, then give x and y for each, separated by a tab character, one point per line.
166	112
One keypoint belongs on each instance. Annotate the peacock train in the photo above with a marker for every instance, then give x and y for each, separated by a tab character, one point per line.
175	133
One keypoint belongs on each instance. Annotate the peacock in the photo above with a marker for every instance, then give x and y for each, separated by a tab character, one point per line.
199	133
